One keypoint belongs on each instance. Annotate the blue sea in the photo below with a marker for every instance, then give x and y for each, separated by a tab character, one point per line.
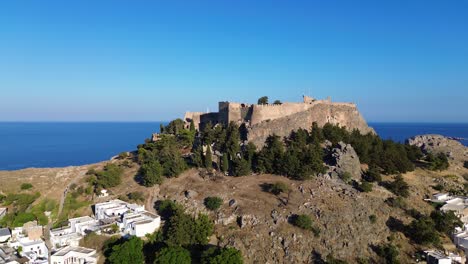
24	145
31	144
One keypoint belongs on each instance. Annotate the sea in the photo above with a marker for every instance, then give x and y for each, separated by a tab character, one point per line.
60	144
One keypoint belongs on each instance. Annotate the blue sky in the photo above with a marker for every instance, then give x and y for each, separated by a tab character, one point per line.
153	60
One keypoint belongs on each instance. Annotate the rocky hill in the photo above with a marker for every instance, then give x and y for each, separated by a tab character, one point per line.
455	151
342	114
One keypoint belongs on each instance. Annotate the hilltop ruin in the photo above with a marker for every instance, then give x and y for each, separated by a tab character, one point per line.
264	120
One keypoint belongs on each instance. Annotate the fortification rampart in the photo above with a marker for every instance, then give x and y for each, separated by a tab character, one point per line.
261	113
280	119
343	114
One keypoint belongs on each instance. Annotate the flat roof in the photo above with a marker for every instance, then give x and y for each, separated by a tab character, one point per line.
64	251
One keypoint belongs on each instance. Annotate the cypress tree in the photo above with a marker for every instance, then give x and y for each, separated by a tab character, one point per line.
208	158
192	126
225	164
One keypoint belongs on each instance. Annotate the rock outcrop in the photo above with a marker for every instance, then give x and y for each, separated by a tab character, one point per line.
455	151
345	115
343	158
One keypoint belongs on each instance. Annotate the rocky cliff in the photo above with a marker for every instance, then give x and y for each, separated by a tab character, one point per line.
455	151
341	114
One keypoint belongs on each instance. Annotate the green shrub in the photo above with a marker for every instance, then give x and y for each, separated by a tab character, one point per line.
437	162
399	186
279	187
389	253
109	177
136	196
173	255
216	255
346	177
365	186
305	222
130	251
439	187
263	100
372	175
446	222
397	202
26	186
465	164
423	231
213	203
373	218
168	208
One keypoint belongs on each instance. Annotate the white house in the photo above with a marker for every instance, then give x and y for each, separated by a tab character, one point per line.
5	235
74	255
441	197
141	223
62	237
35	250
74	232
459	206
435	257
83	225
132	219
115	209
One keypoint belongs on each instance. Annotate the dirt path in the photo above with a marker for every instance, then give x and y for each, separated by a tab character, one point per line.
152	198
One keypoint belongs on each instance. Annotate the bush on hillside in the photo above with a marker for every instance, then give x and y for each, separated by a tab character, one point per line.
26	186
399	186
213	203
173	255
279	187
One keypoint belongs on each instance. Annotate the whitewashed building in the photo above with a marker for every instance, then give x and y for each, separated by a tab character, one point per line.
132	219
141	223
35	250
441	197
74	255
459	206
74	232
434	257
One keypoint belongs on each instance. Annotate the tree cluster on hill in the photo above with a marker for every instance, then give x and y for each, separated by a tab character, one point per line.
437	162
301	154
110	176
25	208
298	156
184	238
160	158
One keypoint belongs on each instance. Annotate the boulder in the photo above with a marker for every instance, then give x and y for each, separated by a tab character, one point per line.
190	194
345	159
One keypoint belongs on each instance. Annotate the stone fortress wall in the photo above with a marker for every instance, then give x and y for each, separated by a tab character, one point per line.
263	120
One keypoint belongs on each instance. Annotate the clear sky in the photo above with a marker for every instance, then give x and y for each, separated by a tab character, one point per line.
153	60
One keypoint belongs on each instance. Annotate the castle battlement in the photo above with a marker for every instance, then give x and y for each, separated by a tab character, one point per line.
258	115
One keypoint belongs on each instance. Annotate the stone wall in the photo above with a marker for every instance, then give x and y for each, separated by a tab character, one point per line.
262	113
322	112
195	116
